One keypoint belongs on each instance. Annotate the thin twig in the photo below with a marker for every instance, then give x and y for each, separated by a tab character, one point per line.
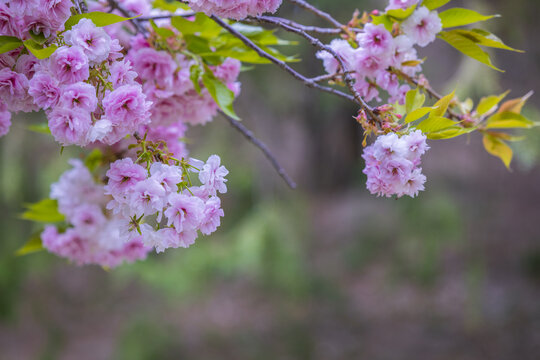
319	13
309	29
248	134
307	81
349	81
328	77
162	17
81	4
115	5
429	90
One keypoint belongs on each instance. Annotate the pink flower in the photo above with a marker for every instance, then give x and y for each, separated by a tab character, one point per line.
234	9
88	218
167	176
9	21
376	39
388	81
368	90
37	23
122	73
211	216
94	41
343	49
154	65
69	244
212	175
75	188
79	96
14	91
45	90
69	64
422	26
368	64
127	107
185	212
57	11
25	65
70	127
123	176
147	197
228	71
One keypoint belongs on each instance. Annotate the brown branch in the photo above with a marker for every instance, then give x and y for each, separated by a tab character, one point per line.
309	29
307	81
248	134
323	15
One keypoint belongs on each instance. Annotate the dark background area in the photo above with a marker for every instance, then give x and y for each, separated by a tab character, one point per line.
324	272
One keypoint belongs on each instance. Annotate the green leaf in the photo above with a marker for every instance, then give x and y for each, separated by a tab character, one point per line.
384	20
488	103
43	211
99	19
203	26
498	148
34	244
93	160
449	133
42	128
221	94
459	17
38	50
435	123
507	120
484	38
434	4
195	76
8	43
401	14
413	100
440	107
467	47
417	114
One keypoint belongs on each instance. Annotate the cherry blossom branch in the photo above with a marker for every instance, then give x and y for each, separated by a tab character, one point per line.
349	81
248	134
323	15
307	81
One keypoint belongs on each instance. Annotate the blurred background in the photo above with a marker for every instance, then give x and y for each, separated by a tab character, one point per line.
324	272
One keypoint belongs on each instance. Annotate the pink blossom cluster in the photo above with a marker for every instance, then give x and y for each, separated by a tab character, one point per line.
137	210
162	196
392	164
375	50
22	18
88	90
166	82
235	9
93	236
